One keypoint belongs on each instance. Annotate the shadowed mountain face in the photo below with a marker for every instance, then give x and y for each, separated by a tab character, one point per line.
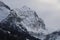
53	36
23	24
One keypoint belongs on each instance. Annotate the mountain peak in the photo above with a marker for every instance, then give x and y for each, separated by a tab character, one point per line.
25	8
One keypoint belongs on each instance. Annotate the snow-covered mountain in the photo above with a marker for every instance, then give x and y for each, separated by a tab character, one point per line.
30	21
26	20
24	24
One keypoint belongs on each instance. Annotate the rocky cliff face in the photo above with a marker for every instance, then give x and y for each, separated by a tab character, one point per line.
23	24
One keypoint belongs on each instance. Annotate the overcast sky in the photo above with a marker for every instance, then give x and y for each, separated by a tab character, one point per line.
48	10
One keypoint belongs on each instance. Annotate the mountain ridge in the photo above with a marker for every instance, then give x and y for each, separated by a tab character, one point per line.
24	24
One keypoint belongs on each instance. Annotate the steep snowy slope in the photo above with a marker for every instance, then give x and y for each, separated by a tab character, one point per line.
30	20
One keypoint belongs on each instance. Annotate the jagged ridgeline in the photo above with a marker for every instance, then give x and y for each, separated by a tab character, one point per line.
22	24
